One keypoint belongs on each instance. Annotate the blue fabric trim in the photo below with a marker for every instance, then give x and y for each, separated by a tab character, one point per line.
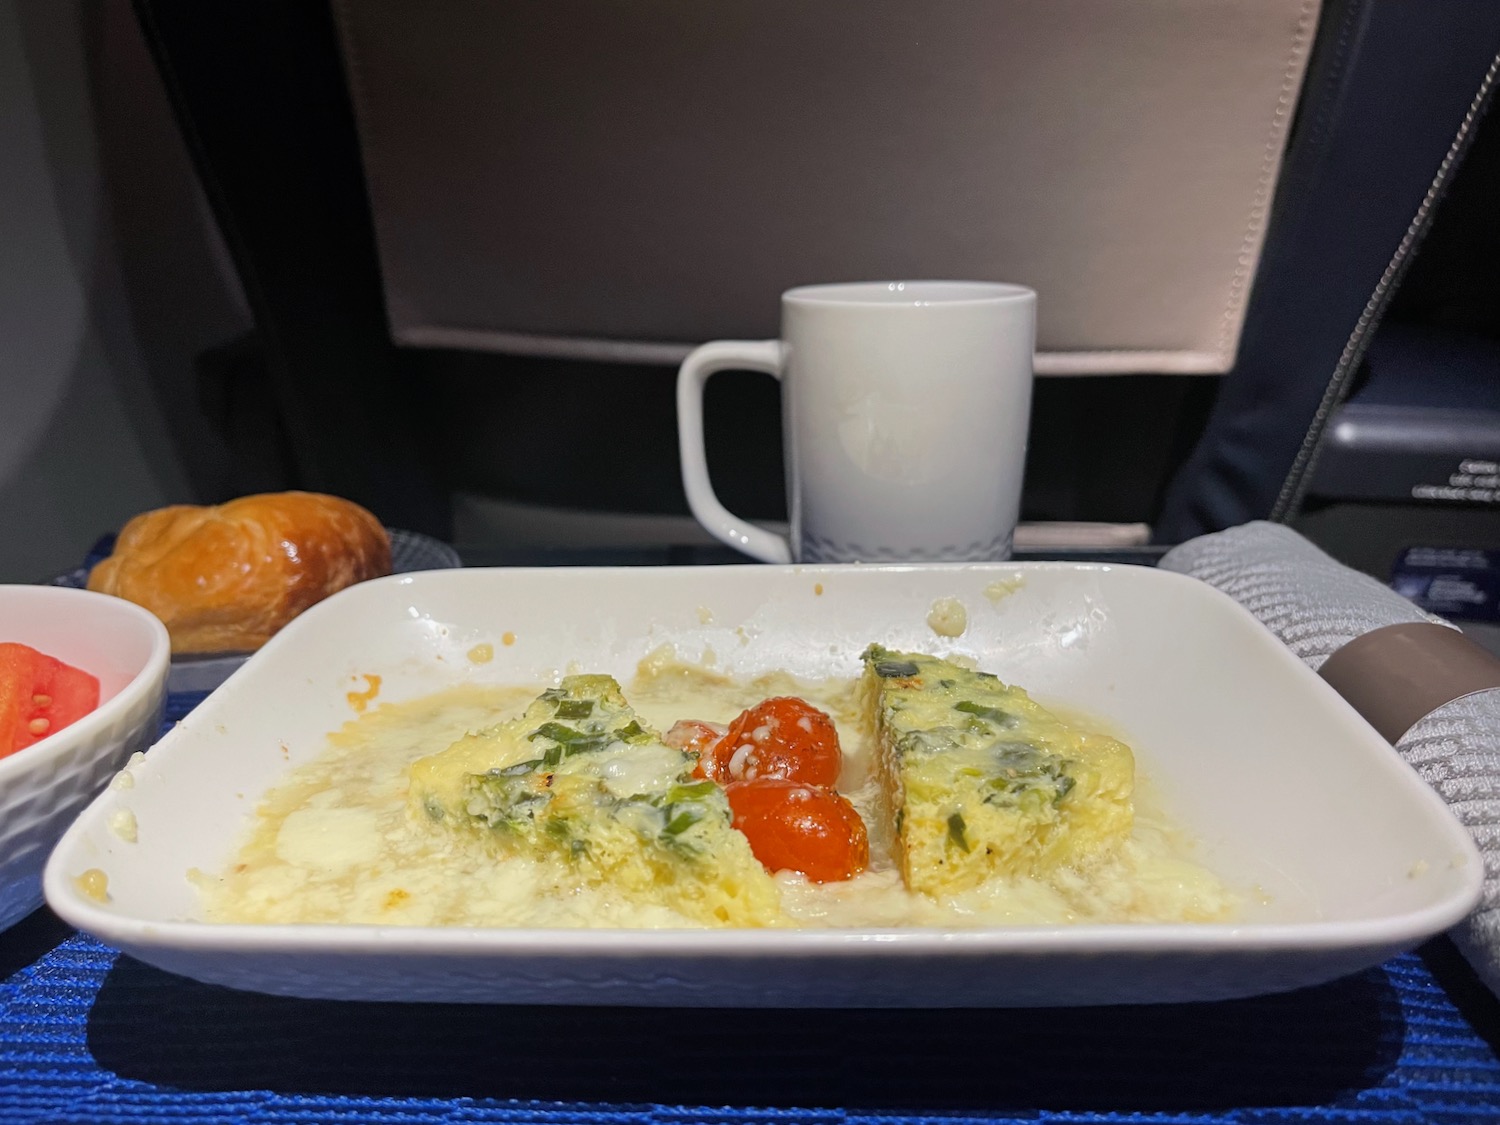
88	1035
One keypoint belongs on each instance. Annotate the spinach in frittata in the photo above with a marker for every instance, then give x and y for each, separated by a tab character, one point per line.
984	781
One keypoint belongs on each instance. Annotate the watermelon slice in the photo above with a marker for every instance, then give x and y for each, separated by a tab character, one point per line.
39	695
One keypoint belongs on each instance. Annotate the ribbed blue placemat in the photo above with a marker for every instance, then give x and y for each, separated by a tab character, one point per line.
87	1035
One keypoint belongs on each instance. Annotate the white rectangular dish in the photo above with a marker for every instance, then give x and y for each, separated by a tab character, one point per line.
1285	788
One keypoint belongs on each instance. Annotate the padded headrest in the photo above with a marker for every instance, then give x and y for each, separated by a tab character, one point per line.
627	179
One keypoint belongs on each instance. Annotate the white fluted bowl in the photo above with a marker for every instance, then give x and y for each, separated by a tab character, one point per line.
43	787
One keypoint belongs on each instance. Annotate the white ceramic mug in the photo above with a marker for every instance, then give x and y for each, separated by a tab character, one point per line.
905	408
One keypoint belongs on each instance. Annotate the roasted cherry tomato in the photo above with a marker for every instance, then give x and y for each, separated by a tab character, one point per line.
782	737
39	695
797	827
696	737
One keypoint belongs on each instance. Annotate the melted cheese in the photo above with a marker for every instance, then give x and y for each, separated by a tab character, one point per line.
329	839
648	770
360	858
948	617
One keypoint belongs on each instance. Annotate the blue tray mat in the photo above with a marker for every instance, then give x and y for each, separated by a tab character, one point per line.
88	1035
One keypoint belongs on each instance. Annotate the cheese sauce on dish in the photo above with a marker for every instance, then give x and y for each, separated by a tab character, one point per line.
335	842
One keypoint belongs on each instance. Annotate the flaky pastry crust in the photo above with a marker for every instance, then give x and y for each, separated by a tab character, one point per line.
226	578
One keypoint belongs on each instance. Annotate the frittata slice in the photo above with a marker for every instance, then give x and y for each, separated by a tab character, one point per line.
580	779
982	781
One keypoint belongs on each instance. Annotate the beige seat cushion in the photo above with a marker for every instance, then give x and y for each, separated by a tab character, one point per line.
626	179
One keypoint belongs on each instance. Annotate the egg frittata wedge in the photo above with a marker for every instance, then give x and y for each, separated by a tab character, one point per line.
578	778
982	781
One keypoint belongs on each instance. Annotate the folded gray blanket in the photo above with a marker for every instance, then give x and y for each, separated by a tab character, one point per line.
1316	606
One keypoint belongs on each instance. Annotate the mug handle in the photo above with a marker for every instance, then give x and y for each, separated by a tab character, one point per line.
736	355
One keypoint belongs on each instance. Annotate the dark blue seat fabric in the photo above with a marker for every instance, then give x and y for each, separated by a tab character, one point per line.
1411	365
1387	92
265	114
